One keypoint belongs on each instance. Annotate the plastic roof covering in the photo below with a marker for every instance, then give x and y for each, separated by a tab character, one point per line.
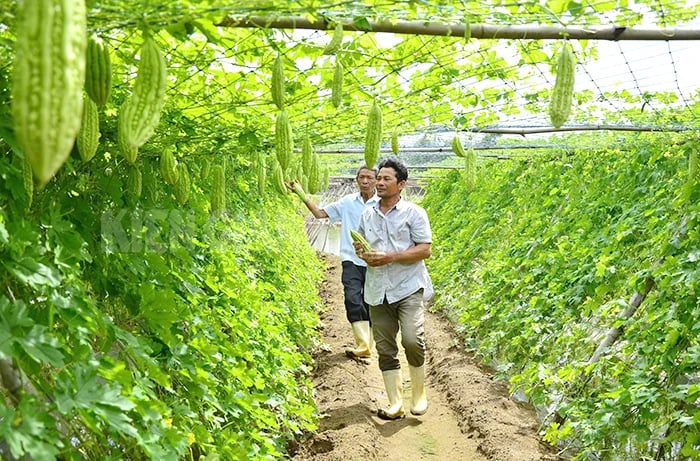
630	69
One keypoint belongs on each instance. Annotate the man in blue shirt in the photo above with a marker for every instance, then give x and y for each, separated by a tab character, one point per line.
397	284
347	210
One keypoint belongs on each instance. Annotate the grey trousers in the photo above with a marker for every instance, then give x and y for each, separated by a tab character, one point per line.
408	316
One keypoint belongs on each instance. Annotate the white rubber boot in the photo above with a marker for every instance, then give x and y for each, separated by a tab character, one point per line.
394	390
363	337
420	400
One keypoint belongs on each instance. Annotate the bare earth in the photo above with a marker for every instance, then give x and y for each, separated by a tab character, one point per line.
470	418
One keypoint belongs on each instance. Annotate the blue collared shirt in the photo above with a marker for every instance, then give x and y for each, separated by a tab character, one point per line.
347	210
404	226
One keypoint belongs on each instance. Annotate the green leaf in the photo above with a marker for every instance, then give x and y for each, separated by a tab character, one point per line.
210	34
14	321
41	346
34	273
85	392
26	433
160	307
362	23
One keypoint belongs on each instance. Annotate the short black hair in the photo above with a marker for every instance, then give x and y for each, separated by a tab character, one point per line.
397	165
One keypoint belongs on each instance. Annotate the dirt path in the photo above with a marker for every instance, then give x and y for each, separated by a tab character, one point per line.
470	418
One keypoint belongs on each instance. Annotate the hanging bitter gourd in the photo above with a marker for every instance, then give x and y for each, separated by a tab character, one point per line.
337	88
560	104
204	169
336	39
325	177
168	168
314	181
373	139
183	186
47	81
395	141
284	142
278	179
218	190
89	133
139	115
28	178
470	168
457	147
128	150
307	154
134	182
277	84
98	71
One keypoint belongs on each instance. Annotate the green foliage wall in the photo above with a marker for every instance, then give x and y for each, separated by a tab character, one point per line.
537	263
152	331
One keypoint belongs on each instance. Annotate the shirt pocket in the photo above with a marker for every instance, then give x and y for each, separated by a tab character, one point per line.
401	236
372	236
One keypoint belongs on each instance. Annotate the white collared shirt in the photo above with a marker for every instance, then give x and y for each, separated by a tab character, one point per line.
348	210
402	227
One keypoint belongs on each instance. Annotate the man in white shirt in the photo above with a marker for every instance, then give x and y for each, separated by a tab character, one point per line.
347	210
397	283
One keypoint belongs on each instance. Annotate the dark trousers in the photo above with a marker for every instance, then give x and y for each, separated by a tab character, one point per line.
353	278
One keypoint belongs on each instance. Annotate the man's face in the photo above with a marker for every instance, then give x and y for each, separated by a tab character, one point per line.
387	184
366	180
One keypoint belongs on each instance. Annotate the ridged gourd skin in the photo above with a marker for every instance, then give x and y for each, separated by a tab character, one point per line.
326	177
470	168
299	190
98	71
336	39
307	155
139	115
337	88
277	84
560	103
47	81
357	237
218	190
28	178
183	186
134	183
89	134
314	176
284	141
395	142
278	179
128	151
168	168
457	147
373	139
204	170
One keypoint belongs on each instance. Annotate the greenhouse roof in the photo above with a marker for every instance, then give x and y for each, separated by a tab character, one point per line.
462	66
